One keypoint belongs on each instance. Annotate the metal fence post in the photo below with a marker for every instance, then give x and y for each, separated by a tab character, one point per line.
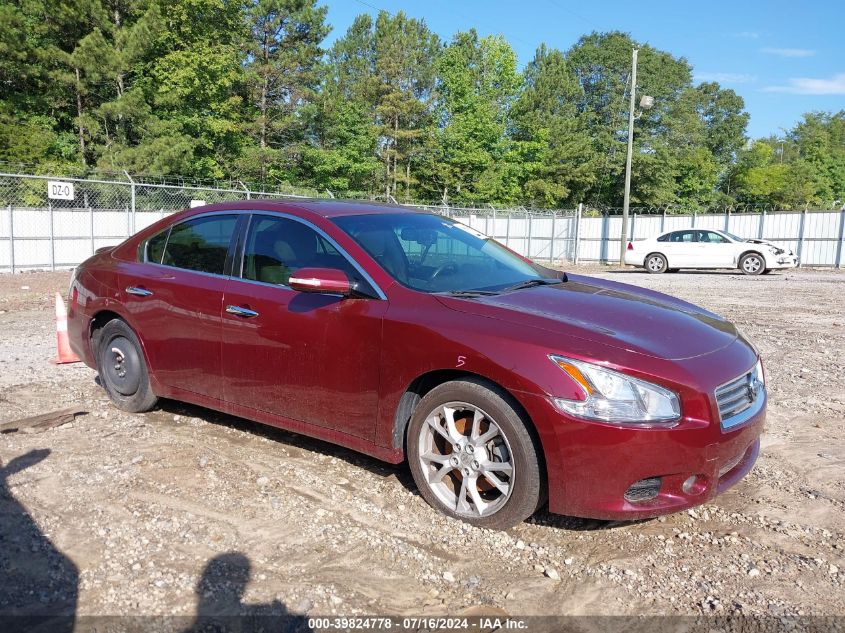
801	237
761	232
839	246
130	215
633	233
91	222
508	231
663	221
727	219
494	223
11	239
693	217
528	247
577	232
552	244
249	193
52	238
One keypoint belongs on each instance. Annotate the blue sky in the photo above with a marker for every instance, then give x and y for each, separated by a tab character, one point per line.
783	57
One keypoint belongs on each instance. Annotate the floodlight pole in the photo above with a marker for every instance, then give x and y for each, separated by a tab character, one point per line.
627	201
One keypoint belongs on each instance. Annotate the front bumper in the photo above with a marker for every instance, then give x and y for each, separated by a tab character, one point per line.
591	466
781	261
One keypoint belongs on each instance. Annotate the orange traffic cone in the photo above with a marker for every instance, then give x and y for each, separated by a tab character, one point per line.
65	353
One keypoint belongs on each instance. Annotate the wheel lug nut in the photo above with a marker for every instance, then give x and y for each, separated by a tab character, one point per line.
469	448
475	464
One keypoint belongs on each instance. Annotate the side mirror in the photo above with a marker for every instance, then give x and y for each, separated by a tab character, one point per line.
321	280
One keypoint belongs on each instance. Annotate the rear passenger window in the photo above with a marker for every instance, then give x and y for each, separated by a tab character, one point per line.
200	244
683	236
664	238
155	247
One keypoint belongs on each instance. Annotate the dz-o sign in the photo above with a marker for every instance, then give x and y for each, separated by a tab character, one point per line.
58	190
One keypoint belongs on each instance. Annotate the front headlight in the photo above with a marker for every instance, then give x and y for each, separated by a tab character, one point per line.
610	396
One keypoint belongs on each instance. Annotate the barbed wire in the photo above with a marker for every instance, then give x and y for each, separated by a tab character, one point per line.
171	191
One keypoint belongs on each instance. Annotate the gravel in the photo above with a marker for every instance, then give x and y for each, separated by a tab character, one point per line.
138	514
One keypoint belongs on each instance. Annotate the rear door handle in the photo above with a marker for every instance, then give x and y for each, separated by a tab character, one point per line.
139	291
241	312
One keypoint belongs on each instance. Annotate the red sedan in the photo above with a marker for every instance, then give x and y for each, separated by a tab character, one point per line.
409	336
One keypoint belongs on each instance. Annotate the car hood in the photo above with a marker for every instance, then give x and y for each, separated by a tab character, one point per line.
768	243
609	313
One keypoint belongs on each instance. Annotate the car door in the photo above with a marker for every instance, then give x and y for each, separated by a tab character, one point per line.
310	357
716	251
680	249
174	297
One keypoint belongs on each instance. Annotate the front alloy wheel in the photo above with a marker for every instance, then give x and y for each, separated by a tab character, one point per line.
467	459
472	456
752	264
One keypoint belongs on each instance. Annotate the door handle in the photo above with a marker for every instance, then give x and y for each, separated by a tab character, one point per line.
241	312
139	291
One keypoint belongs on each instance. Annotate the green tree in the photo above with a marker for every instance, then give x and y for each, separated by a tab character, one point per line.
283	55
602	64
555	157
477	83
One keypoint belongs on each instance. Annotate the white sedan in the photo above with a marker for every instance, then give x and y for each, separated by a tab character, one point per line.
707	248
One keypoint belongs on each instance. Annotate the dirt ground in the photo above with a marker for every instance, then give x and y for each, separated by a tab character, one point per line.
164	513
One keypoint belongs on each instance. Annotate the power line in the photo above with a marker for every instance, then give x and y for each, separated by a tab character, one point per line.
571	12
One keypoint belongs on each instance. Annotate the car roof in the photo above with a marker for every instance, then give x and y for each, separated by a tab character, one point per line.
691	228
330	208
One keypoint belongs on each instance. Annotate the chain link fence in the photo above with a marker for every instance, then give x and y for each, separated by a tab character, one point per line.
53	222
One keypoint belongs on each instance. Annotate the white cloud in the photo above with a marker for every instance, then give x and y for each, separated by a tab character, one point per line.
788	52
726	78
747	35
834	85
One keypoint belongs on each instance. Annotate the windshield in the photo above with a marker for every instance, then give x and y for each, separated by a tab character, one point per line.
431	253
735	238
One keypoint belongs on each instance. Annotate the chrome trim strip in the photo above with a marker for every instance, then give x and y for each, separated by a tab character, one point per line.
275	214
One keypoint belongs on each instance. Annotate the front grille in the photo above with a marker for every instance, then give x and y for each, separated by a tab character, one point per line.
738	396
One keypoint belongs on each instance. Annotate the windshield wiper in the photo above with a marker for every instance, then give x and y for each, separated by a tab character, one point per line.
469	293
530	283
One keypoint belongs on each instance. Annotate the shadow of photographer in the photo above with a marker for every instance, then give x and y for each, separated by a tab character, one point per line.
220	605
38	583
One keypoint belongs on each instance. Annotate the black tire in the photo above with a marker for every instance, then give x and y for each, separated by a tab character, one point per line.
752	264
655	263
122	368
516	448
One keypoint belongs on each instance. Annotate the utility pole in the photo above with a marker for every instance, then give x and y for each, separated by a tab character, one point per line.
627	201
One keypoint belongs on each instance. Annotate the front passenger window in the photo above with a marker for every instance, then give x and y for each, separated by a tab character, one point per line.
276	247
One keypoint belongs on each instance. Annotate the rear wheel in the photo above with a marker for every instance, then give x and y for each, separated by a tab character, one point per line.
472	456
656	263
752	264
123	371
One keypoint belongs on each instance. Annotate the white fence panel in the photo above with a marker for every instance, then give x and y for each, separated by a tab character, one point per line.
39	233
